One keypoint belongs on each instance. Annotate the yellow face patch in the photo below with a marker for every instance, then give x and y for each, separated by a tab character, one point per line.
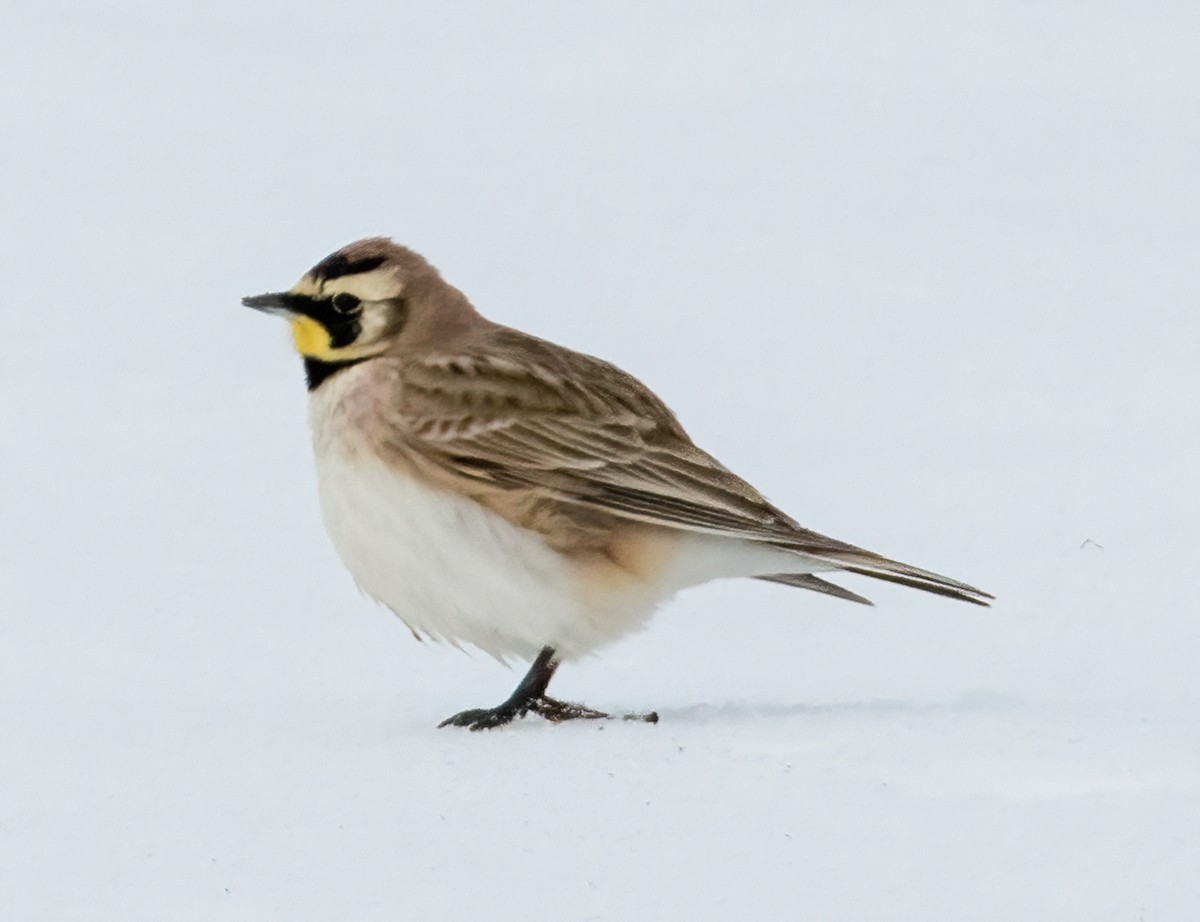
311	338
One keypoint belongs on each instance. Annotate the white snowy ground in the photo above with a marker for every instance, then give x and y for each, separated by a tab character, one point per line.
927	277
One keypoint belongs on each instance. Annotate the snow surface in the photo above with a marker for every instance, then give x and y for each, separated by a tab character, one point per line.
925	275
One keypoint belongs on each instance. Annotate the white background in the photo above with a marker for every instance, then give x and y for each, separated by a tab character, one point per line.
925	274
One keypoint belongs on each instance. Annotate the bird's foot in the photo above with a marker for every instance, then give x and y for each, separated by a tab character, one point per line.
550	708
557	711
485	718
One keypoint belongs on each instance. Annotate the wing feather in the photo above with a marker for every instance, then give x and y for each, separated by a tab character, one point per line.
579	432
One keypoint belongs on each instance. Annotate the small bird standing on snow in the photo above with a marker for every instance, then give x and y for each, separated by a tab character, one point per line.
492	488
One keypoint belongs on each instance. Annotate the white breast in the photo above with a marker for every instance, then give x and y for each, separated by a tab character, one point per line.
451	569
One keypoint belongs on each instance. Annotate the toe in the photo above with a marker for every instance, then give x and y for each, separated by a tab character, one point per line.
480	718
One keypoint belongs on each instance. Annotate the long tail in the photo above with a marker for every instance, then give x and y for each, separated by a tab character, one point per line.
866	563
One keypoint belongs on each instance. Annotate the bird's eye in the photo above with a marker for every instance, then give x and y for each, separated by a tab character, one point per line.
346	304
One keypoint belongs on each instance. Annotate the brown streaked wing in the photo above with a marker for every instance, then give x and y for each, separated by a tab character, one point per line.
578	431
589	435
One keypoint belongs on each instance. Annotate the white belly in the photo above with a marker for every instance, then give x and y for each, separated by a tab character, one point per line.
451	569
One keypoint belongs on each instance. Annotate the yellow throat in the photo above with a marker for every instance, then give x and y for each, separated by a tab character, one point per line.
311	338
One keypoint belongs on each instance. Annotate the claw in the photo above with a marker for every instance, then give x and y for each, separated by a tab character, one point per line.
483	718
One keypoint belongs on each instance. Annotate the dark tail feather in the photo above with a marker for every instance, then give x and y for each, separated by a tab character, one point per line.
808	581
974	596
867	563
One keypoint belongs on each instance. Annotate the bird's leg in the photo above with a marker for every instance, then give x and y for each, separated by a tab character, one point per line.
531	695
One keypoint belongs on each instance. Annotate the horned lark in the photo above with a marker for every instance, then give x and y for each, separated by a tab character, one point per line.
495	489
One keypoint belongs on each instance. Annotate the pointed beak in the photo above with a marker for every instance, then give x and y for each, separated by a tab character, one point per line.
279	303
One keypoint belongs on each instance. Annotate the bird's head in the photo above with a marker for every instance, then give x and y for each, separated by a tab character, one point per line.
354	303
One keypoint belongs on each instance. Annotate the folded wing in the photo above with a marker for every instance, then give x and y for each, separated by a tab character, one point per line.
574	429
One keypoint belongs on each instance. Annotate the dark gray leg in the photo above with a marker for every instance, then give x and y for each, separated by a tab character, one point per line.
529	696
